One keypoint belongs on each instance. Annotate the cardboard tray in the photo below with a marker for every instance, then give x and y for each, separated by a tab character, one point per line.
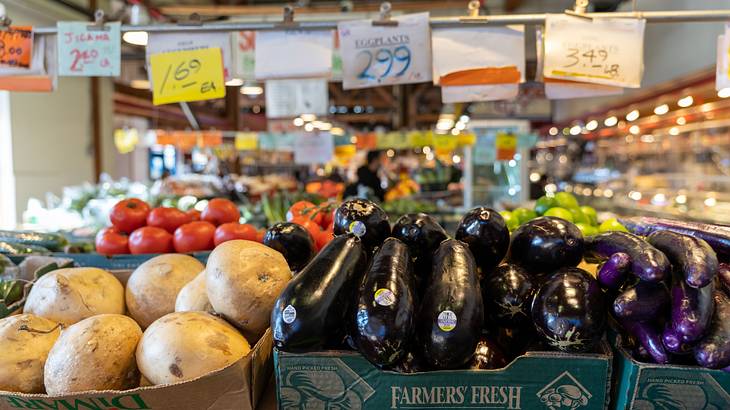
346	380
645	385
239	386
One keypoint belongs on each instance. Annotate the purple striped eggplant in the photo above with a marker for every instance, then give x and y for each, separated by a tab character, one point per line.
647	262
612	273
643	302
713	351
692	309
717	236
692	256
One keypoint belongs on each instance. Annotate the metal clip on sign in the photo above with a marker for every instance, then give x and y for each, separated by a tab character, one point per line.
193	20
5	21
385	19
288	18
579	10
473	13
99	20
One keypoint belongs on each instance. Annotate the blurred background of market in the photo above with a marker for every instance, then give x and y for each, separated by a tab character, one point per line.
66	157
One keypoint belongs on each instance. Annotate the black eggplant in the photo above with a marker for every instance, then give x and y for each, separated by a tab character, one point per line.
385	313
612	273
363	218
647	262
713	351
507	296
692	309
723	274
451	315
649	338
487	356
569	311
692	256
515	341
545	244
293	241
645	301
487	235
423	234
311	311
411	363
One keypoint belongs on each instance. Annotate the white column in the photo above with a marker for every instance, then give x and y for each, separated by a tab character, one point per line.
8	217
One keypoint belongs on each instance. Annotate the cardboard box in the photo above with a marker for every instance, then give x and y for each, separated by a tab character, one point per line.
536	380
648	386
238	386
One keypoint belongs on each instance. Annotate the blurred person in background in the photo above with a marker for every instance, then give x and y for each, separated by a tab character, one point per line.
368	178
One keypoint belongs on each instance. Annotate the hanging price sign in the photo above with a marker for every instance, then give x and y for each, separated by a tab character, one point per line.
246	141
722	77
506	144
191	75
601	50
87	50
374	55
445	142
16	46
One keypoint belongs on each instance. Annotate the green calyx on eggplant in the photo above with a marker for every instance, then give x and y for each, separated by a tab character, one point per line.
713	351
293	241
386	308
487	356
569	311
449	322
422	234
364	219
643	302
546	244
507	294
487	235
311	311
692	309
692	256
647	262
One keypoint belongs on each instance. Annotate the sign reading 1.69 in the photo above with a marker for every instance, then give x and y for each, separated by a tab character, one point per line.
190	75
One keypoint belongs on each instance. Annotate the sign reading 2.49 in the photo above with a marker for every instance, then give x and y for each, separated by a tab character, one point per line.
191	75
374	55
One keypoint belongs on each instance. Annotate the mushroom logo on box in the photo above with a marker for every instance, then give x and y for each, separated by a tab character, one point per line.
564	392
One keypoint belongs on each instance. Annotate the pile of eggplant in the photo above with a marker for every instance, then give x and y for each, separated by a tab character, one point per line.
410	298
670	291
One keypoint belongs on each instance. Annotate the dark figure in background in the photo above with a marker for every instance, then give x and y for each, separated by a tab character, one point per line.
367	176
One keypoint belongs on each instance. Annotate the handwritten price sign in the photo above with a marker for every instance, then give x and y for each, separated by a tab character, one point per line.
600	51
88	51
191	75
16	47
385	55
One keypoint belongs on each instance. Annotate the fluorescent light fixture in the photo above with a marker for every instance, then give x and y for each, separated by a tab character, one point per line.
592	125
575	130
724	93
632	116
553	131
661	110
610	121
138	38
140	84
308	117
252	90
234	82
685	102
298	121
634	129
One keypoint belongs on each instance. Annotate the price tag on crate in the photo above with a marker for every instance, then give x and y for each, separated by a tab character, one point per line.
190	75
374	55
16	47
601	51
88	50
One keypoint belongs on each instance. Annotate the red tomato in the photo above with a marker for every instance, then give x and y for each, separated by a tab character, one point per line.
194	215
304	209
168	219
220	211
110	241
323	238
328	218
194	236
260	235
309	225
150	239
129	214
234	230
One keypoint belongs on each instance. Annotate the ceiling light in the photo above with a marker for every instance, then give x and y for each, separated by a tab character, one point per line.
553	131
674	131
681	121
339	131
308	127
711	201
460	126
686	101
456	159
454	131
308	117
138	38
610	121
140	84
634	129
632	116
724	93
325	126
681	199
661	110
575	130
252	90
298	122
234	82
592	125
464	118
647	138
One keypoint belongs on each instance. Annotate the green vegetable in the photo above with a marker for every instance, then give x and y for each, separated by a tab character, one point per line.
8	248
544	203
560	213
566	200
610	225
587	230
579	216
591	214
523	215
511	221
50	241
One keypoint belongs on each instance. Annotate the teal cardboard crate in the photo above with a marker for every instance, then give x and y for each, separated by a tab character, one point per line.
118	262
536	380
645	386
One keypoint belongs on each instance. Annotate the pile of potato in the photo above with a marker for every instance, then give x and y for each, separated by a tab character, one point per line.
175	320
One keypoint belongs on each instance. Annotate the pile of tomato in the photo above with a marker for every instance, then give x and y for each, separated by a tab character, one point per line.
318	220
137	228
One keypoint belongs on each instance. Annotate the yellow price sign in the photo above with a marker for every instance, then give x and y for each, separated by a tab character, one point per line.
506	145
246	141
420	138
444	142
467	138
190	75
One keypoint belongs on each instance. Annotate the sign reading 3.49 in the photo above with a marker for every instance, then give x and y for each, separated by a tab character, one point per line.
190	75
601	51
374	55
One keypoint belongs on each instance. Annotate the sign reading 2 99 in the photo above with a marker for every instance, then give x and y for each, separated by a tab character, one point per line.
389	60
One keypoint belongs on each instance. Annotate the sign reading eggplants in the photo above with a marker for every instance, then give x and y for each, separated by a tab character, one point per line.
190	75
88	50
374	55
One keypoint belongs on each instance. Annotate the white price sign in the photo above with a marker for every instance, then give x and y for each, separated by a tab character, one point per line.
722	77
314	148
601	51
375	55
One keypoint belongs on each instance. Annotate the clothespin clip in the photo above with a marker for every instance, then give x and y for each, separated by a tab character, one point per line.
193	20
288	18
385	19
99	20
579	9
473	12
5	21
